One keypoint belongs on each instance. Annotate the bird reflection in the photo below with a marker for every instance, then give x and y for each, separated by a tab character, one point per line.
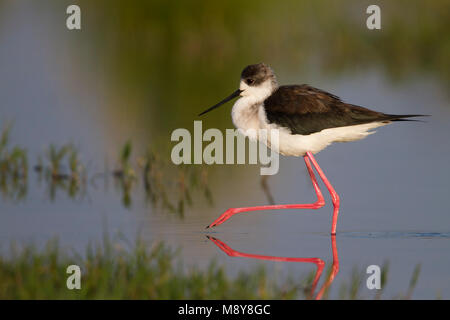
266	190
320	264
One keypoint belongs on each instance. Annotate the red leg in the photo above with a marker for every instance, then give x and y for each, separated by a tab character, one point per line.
334	195
316	205
334	269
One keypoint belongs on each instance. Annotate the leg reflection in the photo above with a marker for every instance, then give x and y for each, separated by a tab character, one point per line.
320	264
266	189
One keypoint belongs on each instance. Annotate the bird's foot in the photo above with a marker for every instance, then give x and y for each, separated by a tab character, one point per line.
224	217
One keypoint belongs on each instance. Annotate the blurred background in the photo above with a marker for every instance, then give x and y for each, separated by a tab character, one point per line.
116	89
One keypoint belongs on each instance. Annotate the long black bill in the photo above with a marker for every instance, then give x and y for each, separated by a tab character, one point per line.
230	97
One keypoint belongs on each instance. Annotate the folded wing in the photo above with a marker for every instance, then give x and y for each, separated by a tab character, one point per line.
305	110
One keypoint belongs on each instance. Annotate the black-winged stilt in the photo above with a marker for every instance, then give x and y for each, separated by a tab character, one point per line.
308	120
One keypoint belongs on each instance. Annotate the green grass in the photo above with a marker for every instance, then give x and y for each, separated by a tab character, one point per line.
110	272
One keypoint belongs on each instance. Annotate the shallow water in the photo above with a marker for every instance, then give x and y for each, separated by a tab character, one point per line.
394	185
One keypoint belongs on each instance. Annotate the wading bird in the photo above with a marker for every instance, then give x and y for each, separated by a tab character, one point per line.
307	119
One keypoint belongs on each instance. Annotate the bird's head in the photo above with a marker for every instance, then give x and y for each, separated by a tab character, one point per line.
258	81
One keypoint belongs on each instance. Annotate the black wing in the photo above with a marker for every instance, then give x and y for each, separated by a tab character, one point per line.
304	110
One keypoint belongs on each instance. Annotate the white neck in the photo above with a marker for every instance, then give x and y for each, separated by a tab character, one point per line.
257	94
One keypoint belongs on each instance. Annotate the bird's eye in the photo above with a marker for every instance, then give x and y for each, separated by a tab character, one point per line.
249	81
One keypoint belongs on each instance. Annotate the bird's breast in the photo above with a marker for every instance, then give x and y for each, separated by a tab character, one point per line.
245	116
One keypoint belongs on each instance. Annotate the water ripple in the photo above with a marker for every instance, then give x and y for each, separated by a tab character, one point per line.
396	235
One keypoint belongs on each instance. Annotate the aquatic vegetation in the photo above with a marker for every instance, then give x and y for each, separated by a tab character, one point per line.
125	173
125	169
110	272
13	168
191	178
167	187
62	169
159	176
152	176
55	156
77	173
413	282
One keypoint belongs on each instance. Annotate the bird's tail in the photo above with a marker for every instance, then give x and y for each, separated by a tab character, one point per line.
405	117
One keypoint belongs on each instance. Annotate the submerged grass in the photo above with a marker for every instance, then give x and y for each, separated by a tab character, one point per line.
183	182
125	174
61	168
167	187
13	168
